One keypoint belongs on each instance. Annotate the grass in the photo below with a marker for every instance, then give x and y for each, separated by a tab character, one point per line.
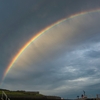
21	94
24	94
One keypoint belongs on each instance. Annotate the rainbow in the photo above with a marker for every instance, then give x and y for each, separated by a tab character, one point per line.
38	35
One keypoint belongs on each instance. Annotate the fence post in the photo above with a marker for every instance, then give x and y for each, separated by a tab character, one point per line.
4	94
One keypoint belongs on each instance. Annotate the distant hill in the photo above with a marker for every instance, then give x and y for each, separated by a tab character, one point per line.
26	95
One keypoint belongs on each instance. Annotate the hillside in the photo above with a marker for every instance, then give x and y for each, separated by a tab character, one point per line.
25	95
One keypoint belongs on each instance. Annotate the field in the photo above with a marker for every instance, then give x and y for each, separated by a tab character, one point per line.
21	94
25	95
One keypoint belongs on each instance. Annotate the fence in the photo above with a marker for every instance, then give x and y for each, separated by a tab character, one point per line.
4	96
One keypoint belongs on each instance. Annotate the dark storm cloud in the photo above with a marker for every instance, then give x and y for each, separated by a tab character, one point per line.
12	14
17	15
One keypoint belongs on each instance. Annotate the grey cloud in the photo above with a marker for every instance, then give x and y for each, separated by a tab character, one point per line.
93	54
54	77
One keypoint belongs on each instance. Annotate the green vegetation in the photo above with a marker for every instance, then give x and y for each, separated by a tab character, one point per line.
21	93
25	94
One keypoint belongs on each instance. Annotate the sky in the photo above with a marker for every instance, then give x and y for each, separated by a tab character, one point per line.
50	46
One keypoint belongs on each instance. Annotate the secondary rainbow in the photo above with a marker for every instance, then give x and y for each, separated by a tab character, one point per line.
38	35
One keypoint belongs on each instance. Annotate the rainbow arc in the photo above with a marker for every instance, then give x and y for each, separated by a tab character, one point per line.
38	35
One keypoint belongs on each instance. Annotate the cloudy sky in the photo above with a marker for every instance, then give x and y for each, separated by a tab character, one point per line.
64	60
